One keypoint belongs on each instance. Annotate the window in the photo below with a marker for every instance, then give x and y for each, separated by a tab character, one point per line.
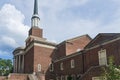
66	77
73	77
61	66
102	57
57	78
72	63
39	67
62	77
51	67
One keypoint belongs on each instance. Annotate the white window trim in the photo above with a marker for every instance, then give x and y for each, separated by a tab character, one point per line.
62	77
61	66
39	67
51	67
72	63
66	77
101	57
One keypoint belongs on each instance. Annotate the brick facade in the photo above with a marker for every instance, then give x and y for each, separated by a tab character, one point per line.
41	54
35	31
75	59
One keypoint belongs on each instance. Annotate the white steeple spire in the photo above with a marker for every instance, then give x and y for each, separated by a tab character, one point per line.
35	20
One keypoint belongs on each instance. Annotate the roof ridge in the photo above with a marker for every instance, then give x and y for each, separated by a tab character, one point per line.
78	37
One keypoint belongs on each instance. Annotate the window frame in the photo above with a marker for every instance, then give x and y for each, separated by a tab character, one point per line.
61	66
102	56
72	63
39	67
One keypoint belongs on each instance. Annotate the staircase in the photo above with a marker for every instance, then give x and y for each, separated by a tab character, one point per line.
32	77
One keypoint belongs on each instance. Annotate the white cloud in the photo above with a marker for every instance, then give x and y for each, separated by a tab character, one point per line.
12	26
8	41
60	19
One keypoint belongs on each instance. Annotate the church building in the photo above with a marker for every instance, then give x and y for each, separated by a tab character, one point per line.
79	58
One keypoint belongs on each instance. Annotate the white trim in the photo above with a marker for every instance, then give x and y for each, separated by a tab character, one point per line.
66	77
102	57
51	67
72	62
62	77
69	56
43	45
61	66
39	67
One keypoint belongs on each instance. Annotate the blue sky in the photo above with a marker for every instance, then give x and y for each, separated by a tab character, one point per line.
60	20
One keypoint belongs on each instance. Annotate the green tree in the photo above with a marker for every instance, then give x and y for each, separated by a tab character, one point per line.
111	71
5	66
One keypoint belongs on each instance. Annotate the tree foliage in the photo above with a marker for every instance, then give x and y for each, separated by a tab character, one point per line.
112	72
5	67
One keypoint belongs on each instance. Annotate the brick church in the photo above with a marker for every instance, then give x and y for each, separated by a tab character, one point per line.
79	58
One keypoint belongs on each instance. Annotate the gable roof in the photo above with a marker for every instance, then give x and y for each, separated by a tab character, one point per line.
102	38
75	38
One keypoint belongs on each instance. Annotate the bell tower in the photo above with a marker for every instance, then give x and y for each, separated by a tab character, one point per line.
35	23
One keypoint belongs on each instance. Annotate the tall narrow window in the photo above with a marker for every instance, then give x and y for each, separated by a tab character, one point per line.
62	78
61	66
72	63
51	67
39	67
66	77
73	77
102	57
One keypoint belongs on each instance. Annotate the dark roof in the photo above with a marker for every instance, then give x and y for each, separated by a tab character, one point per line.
102	38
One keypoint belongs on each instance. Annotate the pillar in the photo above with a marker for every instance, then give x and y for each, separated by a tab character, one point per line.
19	63
16	64
22	63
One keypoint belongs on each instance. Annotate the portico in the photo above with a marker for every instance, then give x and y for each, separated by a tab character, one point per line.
18	60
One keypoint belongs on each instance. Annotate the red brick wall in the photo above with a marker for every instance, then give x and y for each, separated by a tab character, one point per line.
3	77
67	66
79	43
36	32
29	58
59	52
94	72
71	46
18	77
91	56
42	56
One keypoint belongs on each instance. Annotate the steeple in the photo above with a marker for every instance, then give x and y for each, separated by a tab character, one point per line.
35	20
35	7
